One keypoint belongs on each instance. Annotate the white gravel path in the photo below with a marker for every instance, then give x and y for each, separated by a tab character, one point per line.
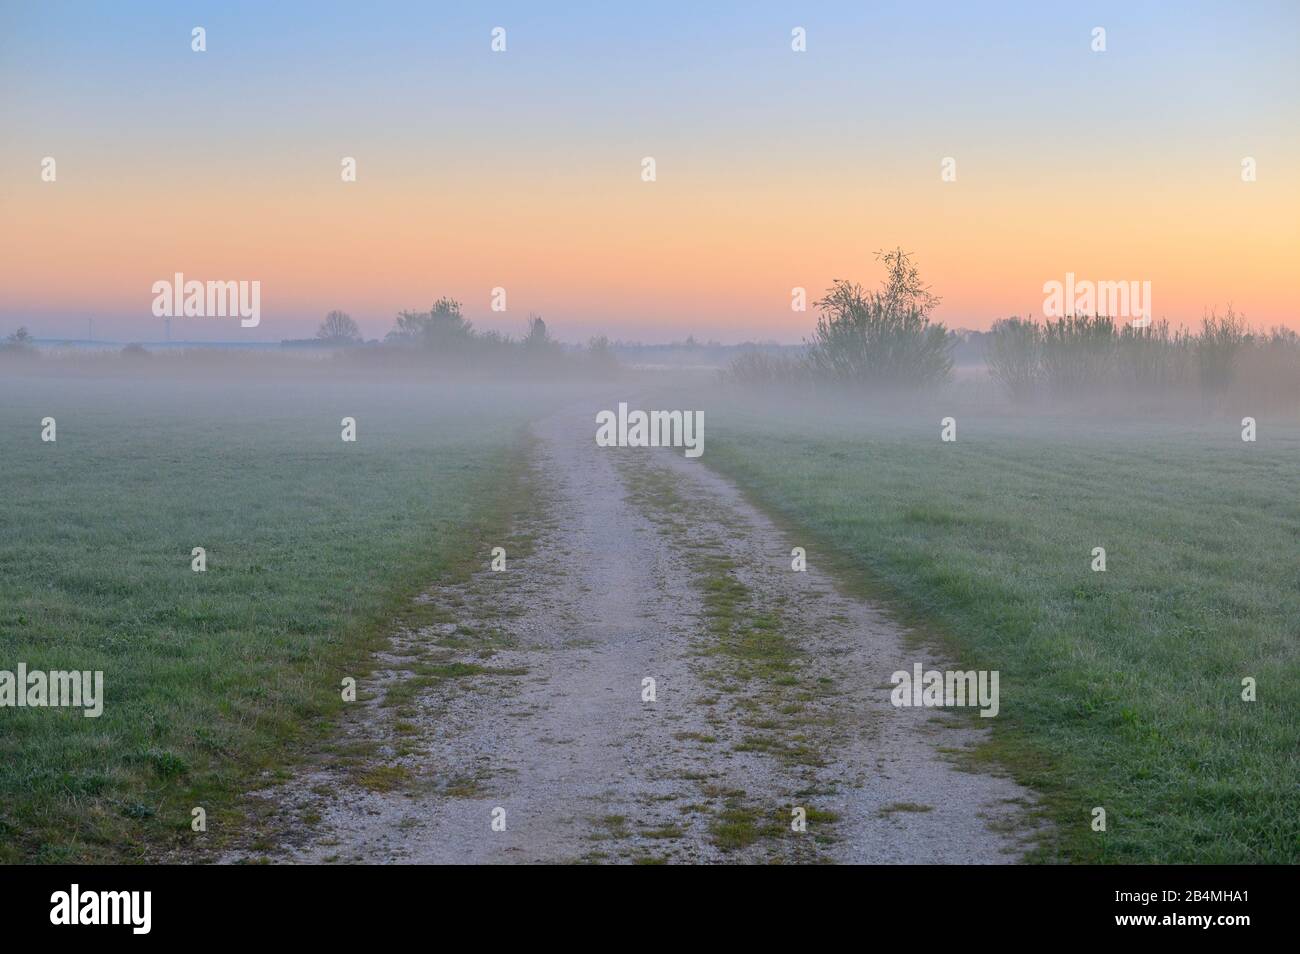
611	593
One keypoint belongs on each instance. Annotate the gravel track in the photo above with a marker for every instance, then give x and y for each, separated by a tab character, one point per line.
771	694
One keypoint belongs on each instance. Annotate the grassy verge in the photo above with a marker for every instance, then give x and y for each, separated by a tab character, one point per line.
313	545
1120	689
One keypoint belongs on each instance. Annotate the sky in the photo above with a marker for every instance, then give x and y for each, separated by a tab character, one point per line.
523	169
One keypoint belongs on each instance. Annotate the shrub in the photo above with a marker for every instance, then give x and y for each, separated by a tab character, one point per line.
442	327
1266	373
867	339
20	342
1153	358
1013	352
1078	356
1078	353
1217	347
764	370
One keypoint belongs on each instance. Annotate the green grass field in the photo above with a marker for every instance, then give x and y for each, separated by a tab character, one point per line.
1119	689
211	677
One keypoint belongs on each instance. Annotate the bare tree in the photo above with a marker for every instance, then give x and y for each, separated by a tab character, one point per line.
339	327
902	289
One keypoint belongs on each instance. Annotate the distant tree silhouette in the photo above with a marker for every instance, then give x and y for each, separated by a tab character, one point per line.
538	337
338	326
443	326
20	340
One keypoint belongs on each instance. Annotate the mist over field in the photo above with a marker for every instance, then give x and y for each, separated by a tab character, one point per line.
959	516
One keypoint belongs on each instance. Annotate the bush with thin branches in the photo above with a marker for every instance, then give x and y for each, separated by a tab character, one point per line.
883	338
1013	353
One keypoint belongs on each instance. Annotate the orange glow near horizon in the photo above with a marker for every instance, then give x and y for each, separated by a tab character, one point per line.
626	258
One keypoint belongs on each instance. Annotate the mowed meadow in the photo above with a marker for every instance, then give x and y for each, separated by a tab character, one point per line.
312	543
1119	689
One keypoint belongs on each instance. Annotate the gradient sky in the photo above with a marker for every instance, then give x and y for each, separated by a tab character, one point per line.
522	169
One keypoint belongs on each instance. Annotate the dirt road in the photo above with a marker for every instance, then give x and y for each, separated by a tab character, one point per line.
519	728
